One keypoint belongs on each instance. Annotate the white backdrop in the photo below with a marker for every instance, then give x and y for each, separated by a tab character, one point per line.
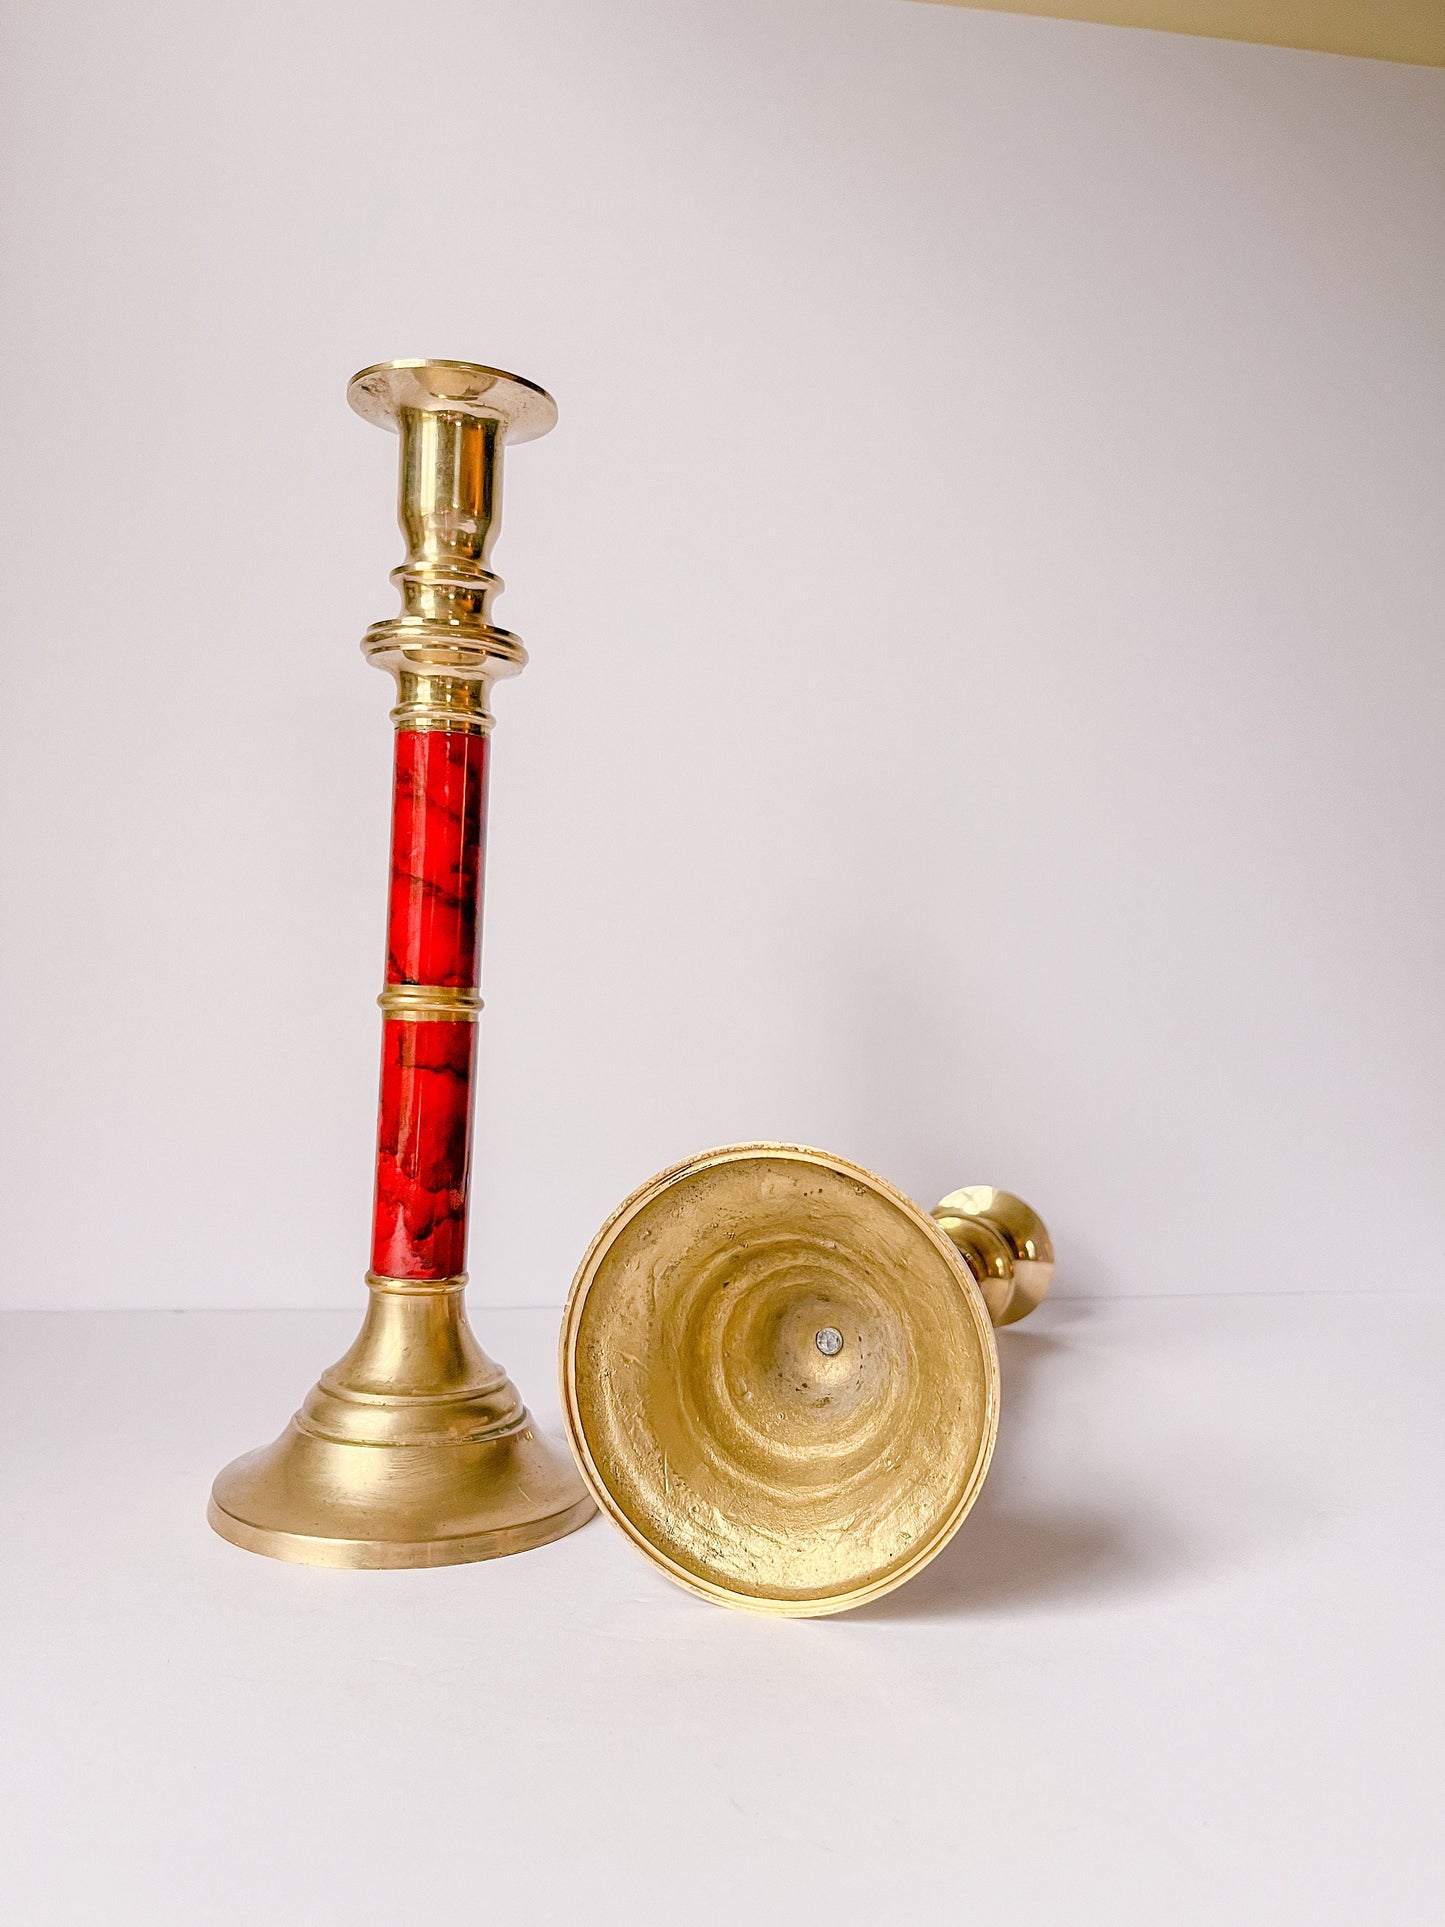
984	599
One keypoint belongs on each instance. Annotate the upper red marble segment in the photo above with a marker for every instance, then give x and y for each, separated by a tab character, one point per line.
438	825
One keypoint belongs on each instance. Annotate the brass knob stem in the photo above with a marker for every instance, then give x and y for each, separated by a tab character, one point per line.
1005	1244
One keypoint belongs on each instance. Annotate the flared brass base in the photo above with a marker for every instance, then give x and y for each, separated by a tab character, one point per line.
414	1450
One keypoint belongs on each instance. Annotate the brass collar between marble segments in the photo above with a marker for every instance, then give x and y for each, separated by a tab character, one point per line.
431	1003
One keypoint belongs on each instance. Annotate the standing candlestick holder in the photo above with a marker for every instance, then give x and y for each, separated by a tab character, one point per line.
416	1450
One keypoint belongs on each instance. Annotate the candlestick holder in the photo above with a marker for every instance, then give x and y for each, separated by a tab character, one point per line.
779	1374
416	1450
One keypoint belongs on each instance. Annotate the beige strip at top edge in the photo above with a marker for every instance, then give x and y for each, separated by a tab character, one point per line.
1411	31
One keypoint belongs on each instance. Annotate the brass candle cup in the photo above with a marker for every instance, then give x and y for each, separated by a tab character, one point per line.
779	1374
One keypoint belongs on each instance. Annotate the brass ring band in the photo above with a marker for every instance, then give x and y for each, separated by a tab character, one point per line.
433	720
416	1287
430	1003
430	697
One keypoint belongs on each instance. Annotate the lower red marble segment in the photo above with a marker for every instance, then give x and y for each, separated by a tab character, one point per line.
423	1149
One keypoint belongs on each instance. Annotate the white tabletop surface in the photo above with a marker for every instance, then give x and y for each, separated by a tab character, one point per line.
1181	1665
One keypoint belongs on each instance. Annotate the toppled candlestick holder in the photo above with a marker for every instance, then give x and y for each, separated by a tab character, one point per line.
779	1375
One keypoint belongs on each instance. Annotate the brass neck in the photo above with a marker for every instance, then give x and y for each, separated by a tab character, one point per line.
449	510
453	419
432	699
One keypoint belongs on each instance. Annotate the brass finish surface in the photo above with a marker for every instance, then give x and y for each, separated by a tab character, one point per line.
454	418
1006	1244
437	701
779	1375
1406	30
431	1003
416	1450
521	409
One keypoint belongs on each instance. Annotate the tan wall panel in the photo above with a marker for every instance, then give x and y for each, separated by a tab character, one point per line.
1410	30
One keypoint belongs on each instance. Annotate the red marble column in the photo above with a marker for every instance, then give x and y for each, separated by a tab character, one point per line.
433	930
